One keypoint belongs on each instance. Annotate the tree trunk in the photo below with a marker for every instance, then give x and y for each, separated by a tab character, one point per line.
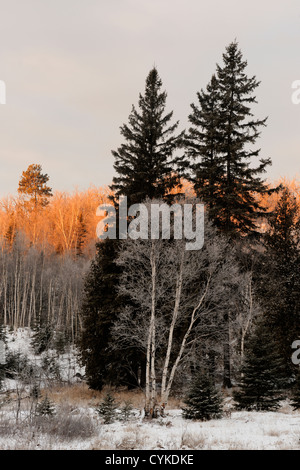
226	351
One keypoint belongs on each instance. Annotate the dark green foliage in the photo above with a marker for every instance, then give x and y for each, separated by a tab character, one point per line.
145	162
80	235
45	407
35	392
42	337
220	140
103	365
278	275
18	366
262	373
50	368
107	408
126	411
203	143
3	334
61	341
98	311
203	401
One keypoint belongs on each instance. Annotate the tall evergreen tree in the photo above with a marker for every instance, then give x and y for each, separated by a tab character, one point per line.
203	140
145	163
101	304
146	168
221	138
278	279
262	373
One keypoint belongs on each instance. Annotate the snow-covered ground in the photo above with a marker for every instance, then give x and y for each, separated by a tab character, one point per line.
77	425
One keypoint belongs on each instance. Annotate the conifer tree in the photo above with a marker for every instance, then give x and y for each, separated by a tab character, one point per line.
146	168
45	407
145	163
278	278
80	235
262	373
126	412
221	138
203	141
203	400
107	408
33	185
100	307
42	336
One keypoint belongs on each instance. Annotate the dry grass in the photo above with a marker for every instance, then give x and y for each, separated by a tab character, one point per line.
272	432
80	394
192	441
50	432
77	394
65	426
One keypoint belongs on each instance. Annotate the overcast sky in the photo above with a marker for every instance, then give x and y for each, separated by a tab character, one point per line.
73	69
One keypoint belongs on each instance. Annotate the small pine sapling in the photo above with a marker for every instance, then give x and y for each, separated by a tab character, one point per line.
45	407
126	411
107	408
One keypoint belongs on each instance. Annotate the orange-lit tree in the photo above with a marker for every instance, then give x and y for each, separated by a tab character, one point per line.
33	185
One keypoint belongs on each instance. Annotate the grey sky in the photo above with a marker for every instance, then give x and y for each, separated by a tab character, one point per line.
73	69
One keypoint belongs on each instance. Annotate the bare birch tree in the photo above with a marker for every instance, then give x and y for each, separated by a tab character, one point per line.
172	291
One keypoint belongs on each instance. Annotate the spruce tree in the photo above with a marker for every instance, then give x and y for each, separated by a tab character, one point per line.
146	168
262	373
145	163
101	303
42	336
278	277
107	408
46	407
80	235
203	401
221	138
202	141
126	411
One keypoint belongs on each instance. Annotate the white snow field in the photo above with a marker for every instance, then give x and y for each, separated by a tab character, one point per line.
76	425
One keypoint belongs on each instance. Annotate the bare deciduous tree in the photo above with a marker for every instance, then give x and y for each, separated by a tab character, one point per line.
176	298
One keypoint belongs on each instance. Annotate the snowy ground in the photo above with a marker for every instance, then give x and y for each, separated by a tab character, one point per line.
77	425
